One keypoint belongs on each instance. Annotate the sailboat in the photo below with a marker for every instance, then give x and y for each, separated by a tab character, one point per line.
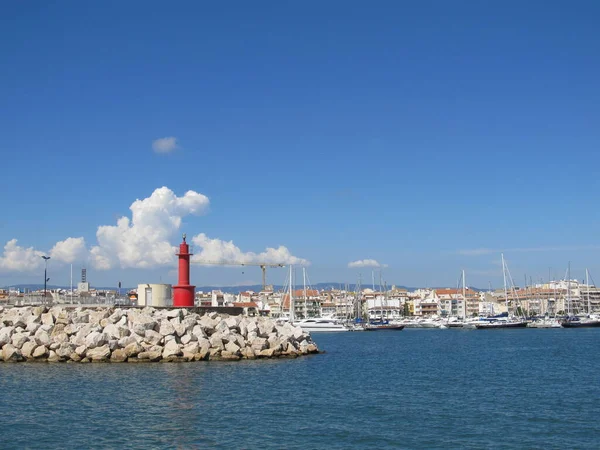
577	321
382	323
459	322
311	324
506	321
547	321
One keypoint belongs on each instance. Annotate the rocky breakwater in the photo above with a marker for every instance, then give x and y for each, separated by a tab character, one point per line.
59	334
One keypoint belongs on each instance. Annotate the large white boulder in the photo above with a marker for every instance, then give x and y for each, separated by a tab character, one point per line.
153	337
11	354
96	339
100	353
172	348
166	328
5	335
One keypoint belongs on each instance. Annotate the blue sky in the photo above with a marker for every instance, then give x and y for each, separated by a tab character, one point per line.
428	136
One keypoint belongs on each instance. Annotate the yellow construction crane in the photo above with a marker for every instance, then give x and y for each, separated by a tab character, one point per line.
263	267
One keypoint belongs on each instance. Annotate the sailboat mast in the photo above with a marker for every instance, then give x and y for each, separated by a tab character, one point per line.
464	293
504	275
587	283
569	289
291	295
304	292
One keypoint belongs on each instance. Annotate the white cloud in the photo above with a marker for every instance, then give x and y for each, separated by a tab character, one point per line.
143	240
216	250
365	263
165	145
20	259
69	250
146	240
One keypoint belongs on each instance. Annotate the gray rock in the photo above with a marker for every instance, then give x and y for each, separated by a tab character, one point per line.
5	335
232	348
191	349
198	331
47	319
28	348
222	327
113	344
228	356
179	329
251	327
18	339
95	339
150	355
81	317
11	354
153	337
116	331
133	349
169	338
81	350
204	345
116	316
63	317
33	319
174	313
32	327
100	353
118	355
207	322
259	344
172	348
187	338
42	337
53	357
95	317
216	342
40	352
248	353
72	328
166	328
65	350
124	342
60	338
232	322
189	323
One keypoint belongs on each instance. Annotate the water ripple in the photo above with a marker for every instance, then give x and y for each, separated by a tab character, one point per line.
415	389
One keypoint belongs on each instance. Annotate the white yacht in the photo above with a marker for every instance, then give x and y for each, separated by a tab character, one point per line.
320	324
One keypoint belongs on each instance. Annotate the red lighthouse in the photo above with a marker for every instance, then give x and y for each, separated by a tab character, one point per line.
183	296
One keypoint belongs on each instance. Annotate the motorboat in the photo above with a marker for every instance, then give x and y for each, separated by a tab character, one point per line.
321	324
545	322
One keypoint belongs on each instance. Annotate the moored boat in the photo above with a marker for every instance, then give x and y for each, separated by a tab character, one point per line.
546	322
320	324
383	325
580	322
501	323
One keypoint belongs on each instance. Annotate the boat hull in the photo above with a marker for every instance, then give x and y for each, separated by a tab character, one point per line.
588	324
496	325
387	327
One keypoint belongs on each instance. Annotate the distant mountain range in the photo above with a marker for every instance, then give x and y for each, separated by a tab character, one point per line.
228	289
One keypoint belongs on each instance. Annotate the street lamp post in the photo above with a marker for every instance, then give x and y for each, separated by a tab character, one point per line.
46	258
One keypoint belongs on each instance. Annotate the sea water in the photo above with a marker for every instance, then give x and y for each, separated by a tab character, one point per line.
387	389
